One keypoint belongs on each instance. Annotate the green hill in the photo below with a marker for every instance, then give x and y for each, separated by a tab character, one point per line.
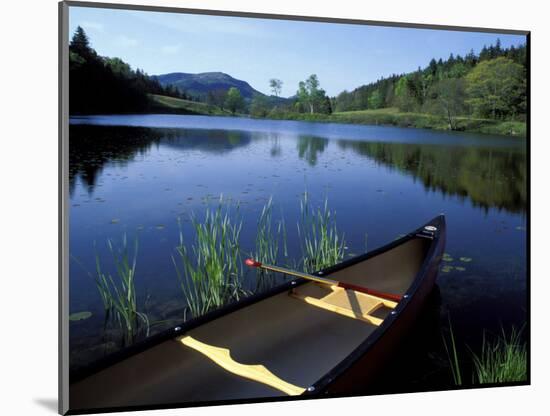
162	103
199	85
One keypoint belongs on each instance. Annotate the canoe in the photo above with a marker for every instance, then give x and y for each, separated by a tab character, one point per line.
300	339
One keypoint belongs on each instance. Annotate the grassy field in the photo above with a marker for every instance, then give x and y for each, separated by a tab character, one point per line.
382	117
392	117
162	103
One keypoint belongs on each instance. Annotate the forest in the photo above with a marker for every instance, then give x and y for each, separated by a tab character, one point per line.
491	84
458	93
107	85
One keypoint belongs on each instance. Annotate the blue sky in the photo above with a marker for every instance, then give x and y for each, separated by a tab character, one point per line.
343	56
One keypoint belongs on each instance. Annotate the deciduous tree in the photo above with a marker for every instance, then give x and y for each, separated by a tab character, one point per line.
310	95
234	100
276	86
450	97
496	88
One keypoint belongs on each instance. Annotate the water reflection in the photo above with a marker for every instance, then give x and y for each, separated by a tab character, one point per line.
276	149
490	177
91	146
310	147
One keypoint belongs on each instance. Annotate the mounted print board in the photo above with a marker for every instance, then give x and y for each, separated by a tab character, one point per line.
269	207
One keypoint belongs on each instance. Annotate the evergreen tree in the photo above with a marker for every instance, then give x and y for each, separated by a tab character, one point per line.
80	42
498	49
470	59
484	54
432	67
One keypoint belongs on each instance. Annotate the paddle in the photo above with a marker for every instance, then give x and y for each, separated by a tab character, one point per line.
388	296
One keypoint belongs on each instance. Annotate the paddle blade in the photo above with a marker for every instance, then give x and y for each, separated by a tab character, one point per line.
252	263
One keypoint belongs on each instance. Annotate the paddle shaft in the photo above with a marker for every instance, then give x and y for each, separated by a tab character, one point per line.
388	296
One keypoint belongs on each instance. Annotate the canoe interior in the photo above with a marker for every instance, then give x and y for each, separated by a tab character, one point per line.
296	341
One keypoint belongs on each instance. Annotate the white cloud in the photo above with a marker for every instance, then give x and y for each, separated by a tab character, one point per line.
125	41
93	26
170	49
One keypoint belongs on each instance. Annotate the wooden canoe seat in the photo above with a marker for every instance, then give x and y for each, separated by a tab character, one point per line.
350	303
259	373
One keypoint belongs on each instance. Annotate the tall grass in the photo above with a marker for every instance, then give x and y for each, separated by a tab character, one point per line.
118	293
322	244
269	239
209	270
452	356
502	360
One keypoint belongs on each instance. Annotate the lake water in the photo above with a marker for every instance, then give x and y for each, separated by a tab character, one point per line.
136	175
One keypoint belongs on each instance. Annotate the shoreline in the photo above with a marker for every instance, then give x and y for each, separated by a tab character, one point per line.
414	120
367	118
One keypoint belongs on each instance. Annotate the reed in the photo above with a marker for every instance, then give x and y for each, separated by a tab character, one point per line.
452	356
209	270
322	244
269	240
502	360
118	293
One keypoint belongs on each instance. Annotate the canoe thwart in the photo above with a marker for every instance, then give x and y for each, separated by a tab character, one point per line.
316	278
258	373
346	302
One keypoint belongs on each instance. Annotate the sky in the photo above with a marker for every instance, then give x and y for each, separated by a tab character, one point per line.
344	56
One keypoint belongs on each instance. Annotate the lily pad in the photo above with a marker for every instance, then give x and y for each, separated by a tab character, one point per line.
447	269
160	227
466	259
115	221
460	268
447	258
80	316
520	228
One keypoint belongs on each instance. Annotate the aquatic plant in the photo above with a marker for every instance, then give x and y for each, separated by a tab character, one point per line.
80	316
269	239
209	270
447	257
502	360
322	244
119	293
452	356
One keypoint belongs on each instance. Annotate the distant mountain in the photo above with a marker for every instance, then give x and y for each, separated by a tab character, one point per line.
201	84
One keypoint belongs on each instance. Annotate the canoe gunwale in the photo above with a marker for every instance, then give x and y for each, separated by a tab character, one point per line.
323	383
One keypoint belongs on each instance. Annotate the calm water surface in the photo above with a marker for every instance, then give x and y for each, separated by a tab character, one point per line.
136	175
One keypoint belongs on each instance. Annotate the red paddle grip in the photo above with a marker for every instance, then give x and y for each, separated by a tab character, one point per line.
252	263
